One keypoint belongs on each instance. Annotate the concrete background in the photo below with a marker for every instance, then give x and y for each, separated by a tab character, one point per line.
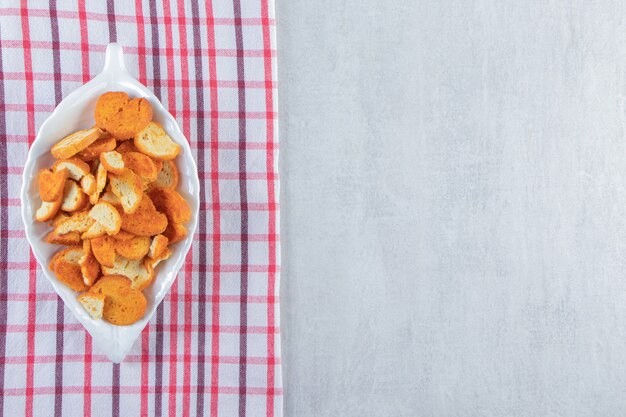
453	207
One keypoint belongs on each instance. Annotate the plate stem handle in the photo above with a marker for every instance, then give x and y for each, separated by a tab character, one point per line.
114	60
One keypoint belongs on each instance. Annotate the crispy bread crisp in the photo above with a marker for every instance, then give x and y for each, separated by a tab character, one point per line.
135	248
48	210
145	221
77	222
175	232
104	250
112	161
88	184
51	184
123	236
92	303
154	142
96	230
128	188
69	239
101	182
108	105
89	266
139	272
65	266
126	146
123	304
133	117
107	215
167	177
172	204
104	144
74	143
76	168
157	259
142	165
157	246
74	198
111	198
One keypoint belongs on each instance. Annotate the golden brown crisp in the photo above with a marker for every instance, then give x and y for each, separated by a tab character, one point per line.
66	268
51	184
134	116
123	305
108	105
93	151
171	203
145	221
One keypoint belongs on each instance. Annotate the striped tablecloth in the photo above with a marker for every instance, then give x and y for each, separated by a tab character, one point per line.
213	347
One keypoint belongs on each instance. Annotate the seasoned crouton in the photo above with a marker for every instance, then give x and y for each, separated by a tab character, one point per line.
74	143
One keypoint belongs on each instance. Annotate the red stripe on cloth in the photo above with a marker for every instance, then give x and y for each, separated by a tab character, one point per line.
154	50
69	358
251	21
141	42
11	170
188	275
176	82
216	218
145	364
77	327
236	176
84	40
191	298
32	265
235	206
88	360
129	390
171	103
269	166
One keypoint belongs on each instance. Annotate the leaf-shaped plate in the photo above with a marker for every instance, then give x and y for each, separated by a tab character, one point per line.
76	112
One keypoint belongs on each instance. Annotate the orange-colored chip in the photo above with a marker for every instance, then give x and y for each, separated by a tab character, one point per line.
69	239
145	221
123	305
51	184
108	105
142	165
126	146
103	248
171	203
134	116
158	245
89	266
175	232
123	236
65	266
93	151
135	248
74	143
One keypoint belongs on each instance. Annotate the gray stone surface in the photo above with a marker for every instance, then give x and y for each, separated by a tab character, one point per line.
453	207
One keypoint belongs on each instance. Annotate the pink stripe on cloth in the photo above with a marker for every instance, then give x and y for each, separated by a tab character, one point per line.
212	347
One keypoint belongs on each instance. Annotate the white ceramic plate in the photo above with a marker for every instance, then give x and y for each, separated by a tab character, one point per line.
76	112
